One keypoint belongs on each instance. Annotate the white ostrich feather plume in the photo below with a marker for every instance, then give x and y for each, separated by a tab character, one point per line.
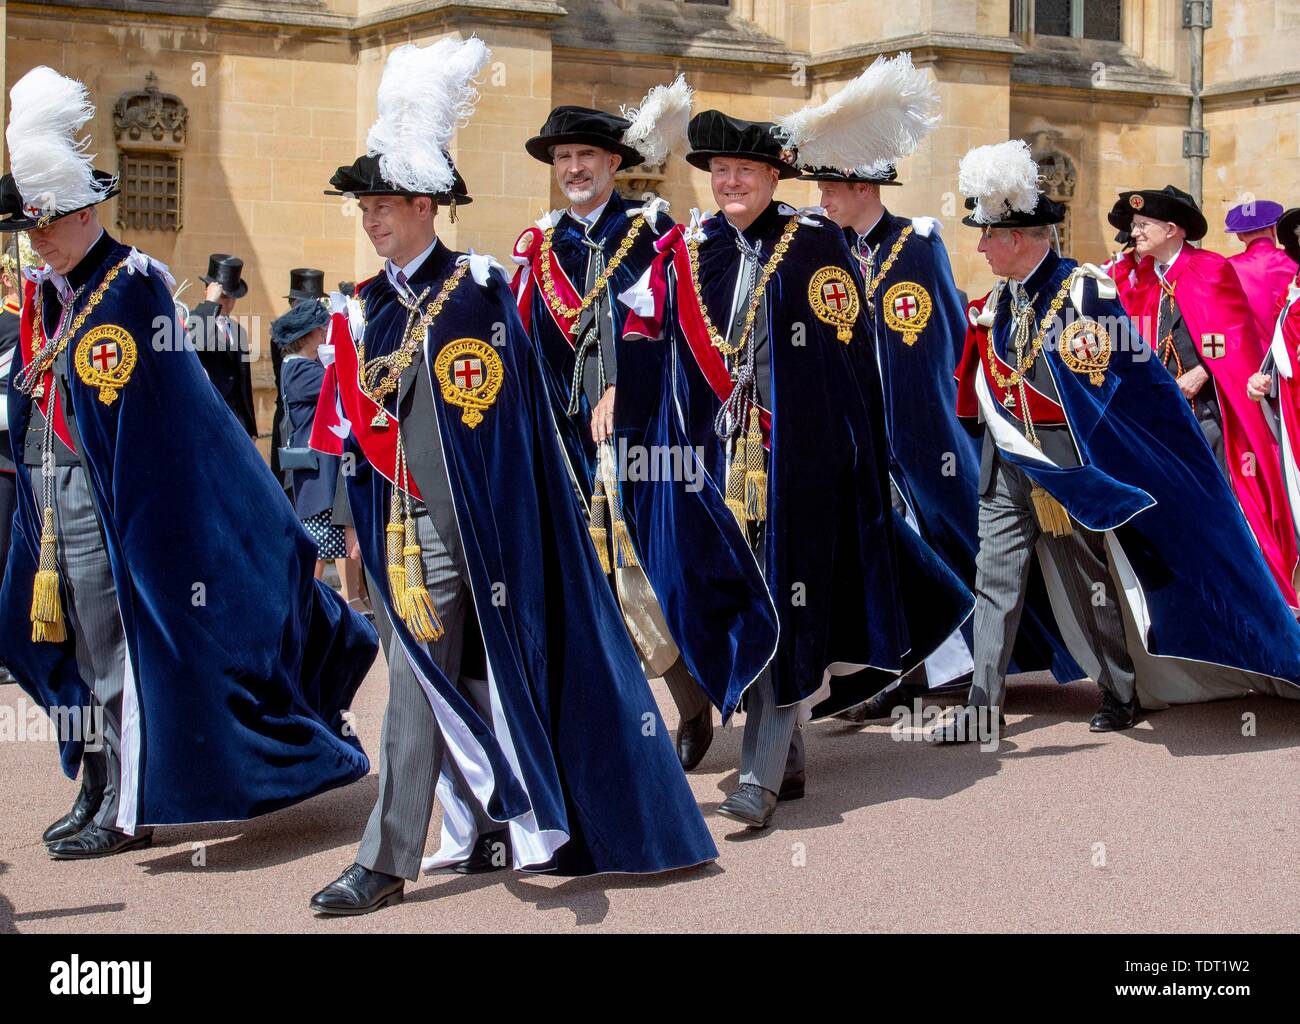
659	123
875	120
1001	178
47	159
426	93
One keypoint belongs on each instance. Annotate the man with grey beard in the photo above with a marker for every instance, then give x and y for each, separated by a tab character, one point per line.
573	265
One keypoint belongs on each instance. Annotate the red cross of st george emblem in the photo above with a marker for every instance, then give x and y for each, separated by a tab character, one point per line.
907	310
105	356
468	373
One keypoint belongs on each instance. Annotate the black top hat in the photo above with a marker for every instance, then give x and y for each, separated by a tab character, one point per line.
306	283
15	215
569	125
1169	204
1288	233
889	176
713	133
363	178
226	271
1046	211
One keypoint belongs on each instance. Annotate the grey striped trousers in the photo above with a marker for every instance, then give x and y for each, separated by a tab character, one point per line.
1008	532
95	623
412	747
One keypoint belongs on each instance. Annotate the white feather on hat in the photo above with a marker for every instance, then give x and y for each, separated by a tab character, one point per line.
875	120
660	122
1000	178
426	93
47	159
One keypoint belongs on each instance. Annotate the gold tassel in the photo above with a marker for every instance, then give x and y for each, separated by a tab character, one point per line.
597	527
736	483
421	616
1050	513
755	475
394	537
47	608
624	553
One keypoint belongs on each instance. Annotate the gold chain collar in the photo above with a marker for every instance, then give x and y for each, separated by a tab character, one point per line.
43	360
548	281
693	258
1018	375
870	293
379	377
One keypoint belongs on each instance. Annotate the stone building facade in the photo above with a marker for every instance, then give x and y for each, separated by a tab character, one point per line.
228	116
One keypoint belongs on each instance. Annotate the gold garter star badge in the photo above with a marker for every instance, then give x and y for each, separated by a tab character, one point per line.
469	374
834	298
105	359
1085	348
907	310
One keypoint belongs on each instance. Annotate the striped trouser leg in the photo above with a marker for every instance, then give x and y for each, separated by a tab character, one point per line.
769	731
412	746
95	623
687	695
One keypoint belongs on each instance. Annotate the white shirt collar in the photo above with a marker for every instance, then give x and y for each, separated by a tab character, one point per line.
1163	268
60	282
410	269
591	218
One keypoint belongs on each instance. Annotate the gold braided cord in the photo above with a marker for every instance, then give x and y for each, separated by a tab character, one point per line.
376	387
693	258
548	281
870	293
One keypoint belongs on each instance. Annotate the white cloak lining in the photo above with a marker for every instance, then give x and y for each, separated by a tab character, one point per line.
1161	679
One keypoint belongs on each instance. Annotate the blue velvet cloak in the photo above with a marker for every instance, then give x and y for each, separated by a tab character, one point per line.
242	662
580	750
847	586
1148	474
934	460
635	362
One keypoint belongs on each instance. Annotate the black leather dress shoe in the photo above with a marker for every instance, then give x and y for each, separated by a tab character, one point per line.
94	841
964	723
881	705
792	787
694	736
491	853
85	808
751	805
1113	716
358	891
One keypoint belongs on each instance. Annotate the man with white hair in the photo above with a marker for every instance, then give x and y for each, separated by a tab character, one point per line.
204	673
1200	324
1156	587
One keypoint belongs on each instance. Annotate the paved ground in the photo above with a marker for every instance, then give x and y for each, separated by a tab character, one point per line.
1181	824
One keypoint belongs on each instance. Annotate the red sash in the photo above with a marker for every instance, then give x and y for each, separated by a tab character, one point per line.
690	317
528	280
341	389
979	351
28	332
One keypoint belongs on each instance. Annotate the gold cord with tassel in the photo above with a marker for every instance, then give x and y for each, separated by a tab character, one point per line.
1050	513
736	482
755	475
598	527
395	537
624	552
418	611
47	608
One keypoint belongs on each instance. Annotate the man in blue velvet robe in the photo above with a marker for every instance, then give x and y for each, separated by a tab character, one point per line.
515	694
1093	464
572	266
794	582
918	321
159	597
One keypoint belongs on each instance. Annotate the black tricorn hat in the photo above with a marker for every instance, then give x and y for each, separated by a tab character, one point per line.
1288	233
889	176
363	178
306	283
1046	211
1168	204
570	125
16	216
227	271
713	133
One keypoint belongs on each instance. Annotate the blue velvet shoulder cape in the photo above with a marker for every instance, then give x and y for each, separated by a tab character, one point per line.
595	760
242	662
